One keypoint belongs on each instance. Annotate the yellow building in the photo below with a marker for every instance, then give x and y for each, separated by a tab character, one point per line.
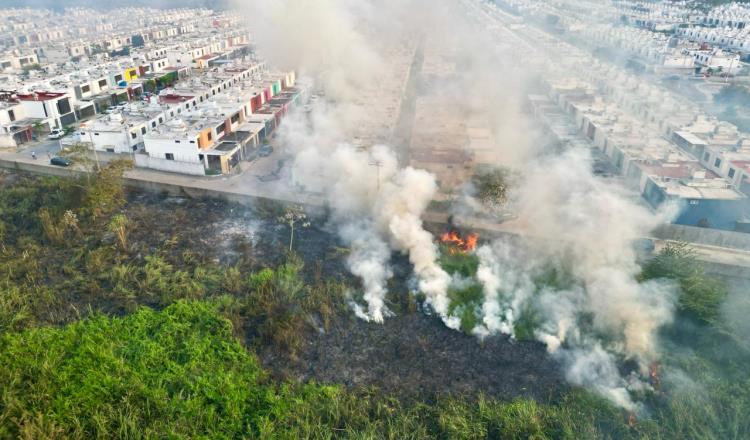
131	74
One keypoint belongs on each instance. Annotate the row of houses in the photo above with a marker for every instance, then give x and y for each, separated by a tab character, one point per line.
89	34
60	95
205	125
658	142
110	30
694	161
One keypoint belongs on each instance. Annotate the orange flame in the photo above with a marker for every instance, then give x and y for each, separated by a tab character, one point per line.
654	376
458	243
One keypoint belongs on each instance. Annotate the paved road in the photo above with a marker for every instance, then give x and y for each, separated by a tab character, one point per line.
44	148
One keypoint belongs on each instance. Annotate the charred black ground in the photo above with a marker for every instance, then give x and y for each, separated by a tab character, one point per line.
412	354
417	355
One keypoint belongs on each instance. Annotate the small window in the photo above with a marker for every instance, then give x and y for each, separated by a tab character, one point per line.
161	120
153	124
176	142
11	115
133	135
731	173
192	142
96	134
706	157
717	163
169	156
143	130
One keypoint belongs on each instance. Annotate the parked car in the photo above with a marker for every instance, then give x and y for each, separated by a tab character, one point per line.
60	161
56	134
265	151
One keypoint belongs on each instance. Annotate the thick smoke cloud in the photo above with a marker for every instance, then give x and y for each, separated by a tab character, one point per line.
376	214
583	228
594	314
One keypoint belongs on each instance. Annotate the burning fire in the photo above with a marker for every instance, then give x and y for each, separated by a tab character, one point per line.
654	377
458	243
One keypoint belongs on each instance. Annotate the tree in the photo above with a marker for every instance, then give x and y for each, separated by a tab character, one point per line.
700	294
492	187
79	153
105	192
149	85
38	128
293	216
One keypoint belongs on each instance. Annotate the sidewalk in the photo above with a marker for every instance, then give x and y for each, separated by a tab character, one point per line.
236	187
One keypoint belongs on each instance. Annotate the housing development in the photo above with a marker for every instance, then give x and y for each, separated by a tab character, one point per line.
180	90
403	219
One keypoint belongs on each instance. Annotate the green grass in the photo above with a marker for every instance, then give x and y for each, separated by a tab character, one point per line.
464	264
466	303
180	373
177	372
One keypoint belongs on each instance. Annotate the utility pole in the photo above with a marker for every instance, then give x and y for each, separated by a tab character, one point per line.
377	164
93	148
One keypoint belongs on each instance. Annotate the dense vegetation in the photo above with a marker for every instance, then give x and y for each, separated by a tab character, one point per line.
108	330
180	373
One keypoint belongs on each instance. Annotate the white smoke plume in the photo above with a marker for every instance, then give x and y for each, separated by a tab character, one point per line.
572	221
392	199
585	228
368	260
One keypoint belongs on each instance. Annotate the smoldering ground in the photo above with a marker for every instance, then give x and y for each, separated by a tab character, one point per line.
581	225
415	355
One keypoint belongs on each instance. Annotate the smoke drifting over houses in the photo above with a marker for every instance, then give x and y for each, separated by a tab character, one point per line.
578	231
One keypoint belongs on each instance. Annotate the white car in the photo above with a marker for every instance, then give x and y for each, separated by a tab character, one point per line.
56	134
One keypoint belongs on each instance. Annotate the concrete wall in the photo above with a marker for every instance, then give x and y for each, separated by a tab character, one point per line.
159	187
711	237
173	166
184	151
118	141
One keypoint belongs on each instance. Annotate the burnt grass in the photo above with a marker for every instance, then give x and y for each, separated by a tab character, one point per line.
415	355
412	355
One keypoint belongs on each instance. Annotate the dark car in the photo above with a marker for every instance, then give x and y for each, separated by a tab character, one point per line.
265	151
60	161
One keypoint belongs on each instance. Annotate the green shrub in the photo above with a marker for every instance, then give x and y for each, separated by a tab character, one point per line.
701	295
178	373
